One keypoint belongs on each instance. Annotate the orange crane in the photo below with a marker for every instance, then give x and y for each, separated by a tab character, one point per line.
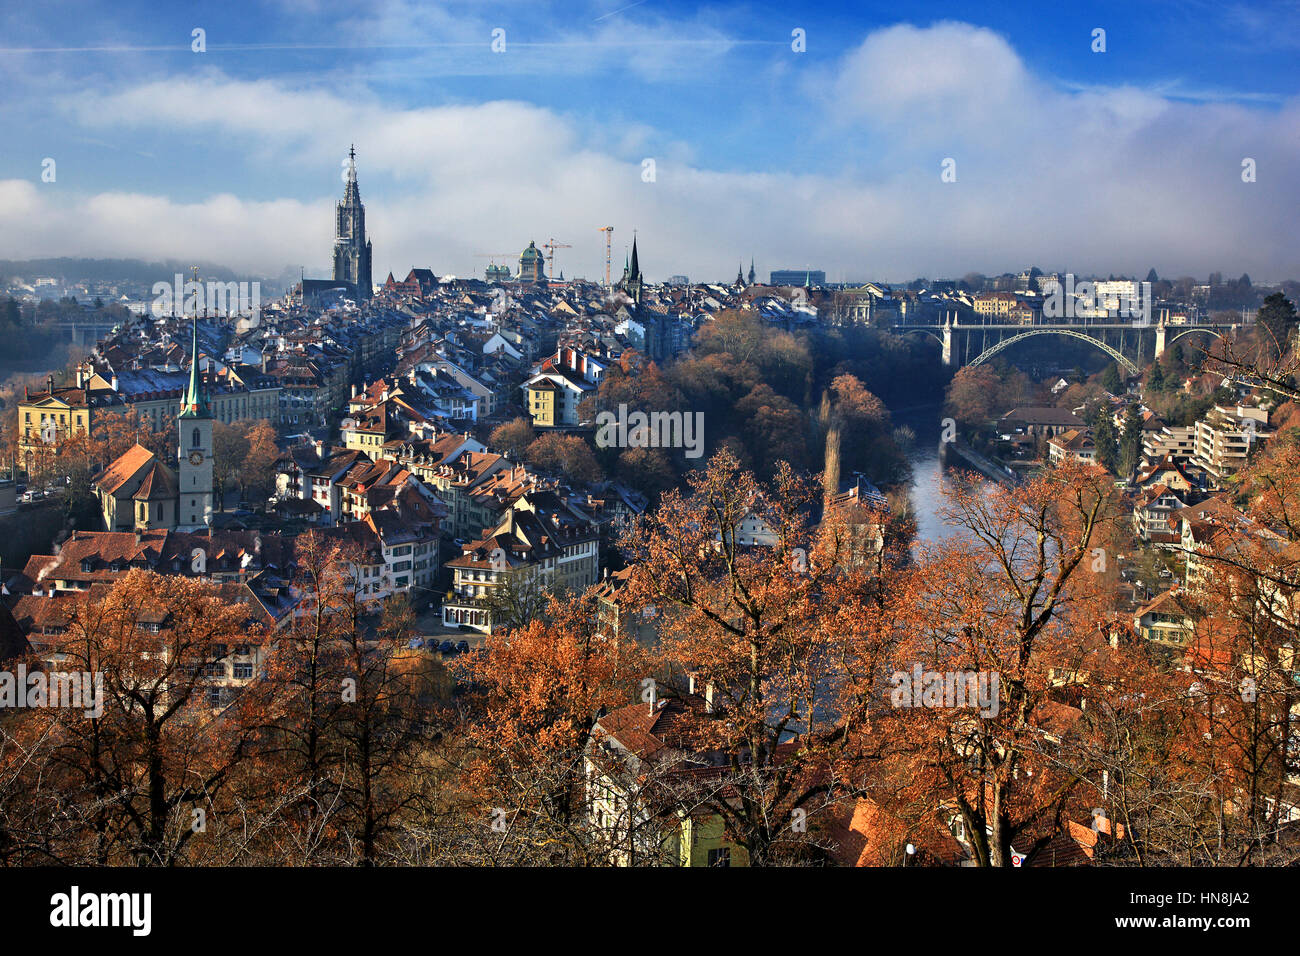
553	245
609	234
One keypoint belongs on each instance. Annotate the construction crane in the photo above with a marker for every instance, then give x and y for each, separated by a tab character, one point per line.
609	236
553	245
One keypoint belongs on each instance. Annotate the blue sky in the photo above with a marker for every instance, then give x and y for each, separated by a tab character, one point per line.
830	158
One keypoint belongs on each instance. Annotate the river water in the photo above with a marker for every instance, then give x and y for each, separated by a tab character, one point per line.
926	489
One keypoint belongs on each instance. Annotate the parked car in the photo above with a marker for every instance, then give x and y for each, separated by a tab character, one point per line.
447	647
462	647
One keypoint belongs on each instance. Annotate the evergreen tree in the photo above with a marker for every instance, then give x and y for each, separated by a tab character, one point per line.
1103	437
1111	380
1130	441
1276	321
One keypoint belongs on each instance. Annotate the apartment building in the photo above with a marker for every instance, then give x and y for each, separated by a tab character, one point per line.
1175	441
1226	437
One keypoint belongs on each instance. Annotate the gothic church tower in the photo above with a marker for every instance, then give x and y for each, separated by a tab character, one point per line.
352	251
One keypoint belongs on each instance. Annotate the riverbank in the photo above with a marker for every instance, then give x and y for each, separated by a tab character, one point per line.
985	466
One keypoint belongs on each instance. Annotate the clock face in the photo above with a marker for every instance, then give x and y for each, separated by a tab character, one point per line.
196	458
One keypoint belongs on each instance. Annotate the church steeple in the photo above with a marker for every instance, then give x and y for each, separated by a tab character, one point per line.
751	270
194	404
631	281
195	501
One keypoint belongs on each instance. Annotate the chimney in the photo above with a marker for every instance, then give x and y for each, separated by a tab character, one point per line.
113	383
49	385
708	697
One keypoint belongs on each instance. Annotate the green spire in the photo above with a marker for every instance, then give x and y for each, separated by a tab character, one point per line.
194	404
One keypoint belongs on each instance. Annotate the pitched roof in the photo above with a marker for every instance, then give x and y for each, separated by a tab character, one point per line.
159	484
124	469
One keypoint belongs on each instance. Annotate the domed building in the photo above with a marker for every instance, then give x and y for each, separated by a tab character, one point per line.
532	267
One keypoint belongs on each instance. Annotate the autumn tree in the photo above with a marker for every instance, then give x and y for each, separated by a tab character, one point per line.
971	395
564	454
258	468
784	640
127	785
1012	600
229	448
513	437
536	696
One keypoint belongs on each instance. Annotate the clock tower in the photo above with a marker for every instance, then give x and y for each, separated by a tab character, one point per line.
195	498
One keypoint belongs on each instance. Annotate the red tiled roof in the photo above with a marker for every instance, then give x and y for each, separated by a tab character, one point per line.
121	471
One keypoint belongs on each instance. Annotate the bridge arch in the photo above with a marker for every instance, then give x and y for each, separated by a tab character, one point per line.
1190	330
993	350
902	330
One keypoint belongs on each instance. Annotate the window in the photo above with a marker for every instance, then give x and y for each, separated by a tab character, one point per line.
720	857
195	438
243	671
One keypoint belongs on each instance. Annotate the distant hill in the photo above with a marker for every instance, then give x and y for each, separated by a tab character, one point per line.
106	270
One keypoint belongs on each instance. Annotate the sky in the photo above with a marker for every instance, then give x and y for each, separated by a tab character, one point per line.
700	128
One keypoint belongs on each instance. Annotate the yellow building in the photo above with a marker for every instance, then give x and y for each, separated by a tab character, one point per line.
994	304
542	398
48	419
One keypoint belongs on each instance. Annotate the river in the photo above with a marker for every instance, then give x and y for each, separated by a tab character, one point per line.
926	489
